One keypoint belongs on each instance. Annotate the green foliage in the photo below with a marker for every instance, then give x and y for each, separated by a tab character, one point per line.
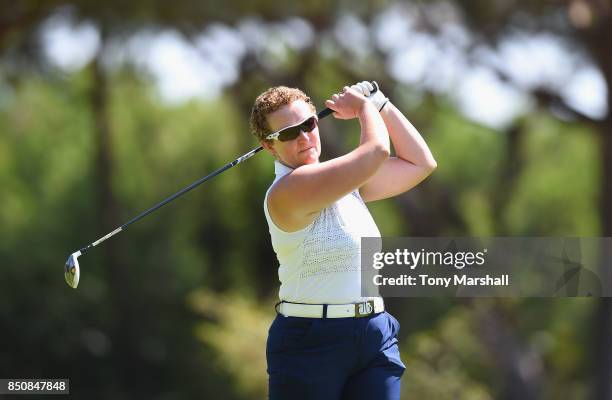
236	327
469	154
442	363
192	316
558	191
210	246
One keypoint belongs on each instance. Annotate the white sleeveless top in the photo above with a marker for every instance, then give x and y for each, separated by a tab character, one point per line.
321	264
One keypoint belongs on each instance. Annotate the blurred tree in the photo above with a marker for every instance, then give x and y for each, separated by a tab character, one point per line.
589	25
139	149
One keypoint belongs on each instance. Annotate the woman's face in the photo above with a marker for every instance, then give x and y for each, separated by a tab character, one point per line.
306	148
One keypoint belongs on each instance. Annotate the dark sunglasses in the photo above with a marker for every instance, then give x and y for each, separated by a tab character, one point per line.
293	131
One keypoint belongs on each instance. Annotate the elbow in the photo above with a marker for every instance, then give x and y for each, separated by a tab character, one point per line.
376	152
382	152
430	165
374	155
430	162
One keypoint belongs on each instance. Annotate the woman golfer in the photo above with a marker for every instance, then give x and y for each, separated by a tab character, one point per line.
327	341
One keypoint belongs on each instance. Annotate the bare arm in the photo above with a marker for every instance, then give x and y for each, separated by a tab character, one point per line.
297	198
411	165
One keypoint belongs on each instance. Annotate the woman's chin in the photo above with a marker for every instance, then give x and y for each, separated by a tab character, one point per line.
311	160
310	156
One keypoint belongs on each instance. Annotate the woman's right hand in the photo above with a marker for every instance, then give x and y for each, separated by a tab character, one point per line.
348	104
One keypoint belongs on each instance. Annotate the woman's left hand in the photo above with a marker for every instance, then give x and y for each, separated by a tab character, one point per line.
348	104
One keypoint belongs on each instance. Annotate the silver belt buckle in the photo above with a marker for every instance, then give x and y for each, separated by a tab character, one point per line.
364	309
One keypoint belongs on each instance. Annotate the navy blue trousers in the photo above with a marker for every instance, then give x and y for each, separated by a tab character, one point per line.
334	359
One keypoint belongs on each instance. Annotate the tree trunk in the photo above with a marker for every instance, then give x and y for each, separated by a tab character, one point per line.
597	39
511	170
519	367
123	329
602	350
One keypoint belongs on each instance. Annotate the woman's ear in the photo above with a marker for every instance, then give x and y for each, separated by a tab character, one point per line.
267	145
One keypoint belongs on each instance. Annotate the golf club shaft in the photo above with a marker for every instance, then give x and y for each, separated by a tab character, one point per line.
324	113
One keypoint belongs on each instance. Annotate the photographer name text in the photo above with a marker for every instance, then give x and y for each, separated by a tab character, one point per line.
467	261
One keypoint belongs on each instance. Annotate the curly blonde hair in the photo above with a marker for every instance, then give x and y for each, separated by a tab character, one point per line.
270	101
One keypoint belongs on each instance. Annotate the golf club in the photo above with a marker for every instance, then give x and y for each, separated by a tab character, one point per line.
72	271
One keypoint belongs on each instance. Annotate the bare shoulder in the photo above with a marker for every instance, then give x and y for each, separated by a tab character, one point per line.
284	207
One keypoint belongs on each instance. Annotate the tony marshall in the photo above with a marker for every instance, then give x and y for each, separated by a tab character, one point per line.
457	280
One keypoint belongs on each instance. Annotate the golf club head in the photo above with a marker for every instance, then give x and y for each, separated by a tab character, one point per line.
72	271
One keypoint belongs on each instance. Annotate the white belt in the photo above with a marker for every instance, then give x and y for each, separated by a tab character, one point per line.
363	309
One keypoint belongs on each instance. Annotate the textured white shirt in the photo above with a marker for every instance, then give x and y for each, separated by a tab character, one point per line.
321	263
